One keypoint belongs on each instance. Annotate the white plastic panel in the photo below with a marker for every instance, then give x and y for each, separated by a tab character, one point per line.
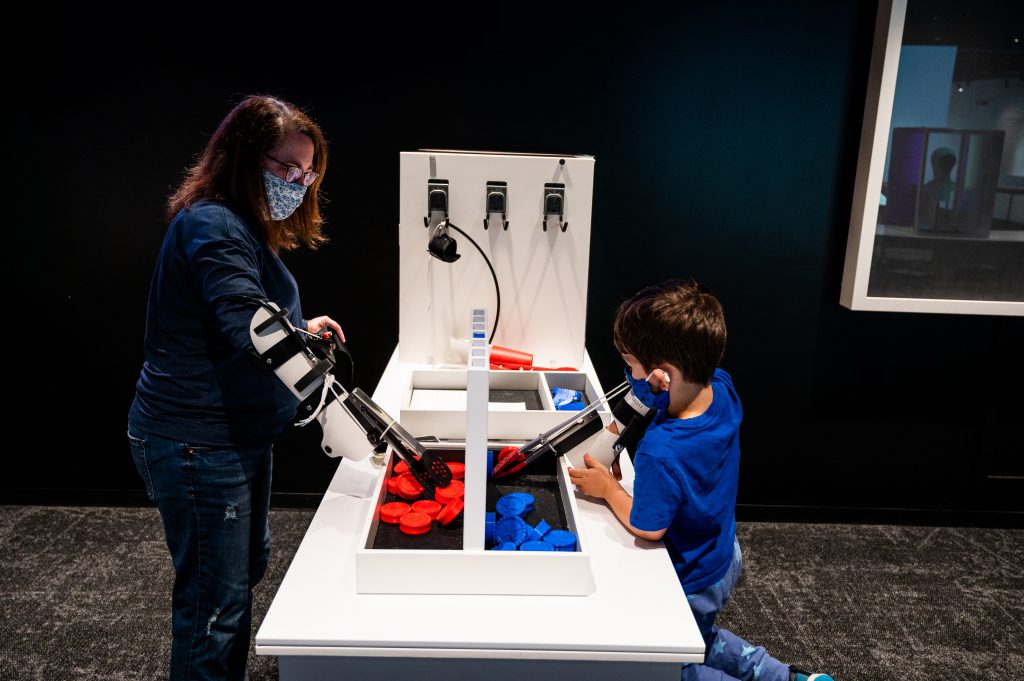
542	274
434	403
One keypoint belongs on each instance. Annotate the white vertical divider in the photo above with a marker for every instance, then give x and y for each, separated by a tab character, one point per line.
477	398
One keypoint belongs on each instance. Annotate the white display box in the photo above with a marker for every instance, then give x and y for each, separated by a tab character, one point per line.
435	403
461	571
538	261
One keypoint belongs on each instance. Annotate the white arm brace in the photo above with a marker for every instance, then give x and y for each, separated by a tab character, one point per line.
282	349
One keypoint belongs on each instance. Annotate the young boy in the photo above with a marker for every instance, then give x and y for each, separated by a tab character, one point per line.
672	336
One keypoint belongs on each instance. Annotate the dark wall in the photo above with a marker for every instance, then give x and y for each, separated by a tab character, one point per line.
725	138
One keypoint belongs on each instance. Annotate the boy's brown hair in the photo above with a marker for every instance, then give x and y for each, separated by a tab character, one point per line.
676	321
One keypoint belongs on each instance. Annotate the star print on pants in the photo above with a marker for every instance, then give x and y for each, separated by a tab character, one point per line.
719	647
747	650
757	670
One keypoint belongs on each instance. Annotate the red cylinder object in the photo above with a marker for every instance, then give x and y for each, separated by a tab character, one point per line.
427	507
451	511
455	489
500	355
415	523
458	469
392	513
409	488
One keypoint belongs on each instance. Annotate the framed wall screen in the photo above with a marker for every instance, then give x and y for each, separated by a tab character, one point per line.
938	210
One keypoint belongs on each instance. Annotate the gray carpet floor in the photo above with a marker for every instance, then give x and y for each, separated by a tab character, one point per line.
85	594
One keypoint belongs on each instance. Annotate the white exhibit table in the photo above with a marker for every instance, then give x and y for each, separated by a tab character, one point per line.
636	624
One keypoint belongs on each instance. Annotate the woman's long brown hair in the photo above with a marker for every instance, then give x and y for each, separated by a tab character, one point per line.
230	170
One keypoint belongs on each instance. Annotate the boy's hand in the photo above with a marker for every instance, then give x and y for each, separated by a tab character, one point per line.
594	480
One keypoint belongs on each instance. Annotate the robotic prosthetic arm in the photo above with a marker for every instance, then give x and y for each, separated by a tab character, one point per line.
579	434
631	418
582	434
303	362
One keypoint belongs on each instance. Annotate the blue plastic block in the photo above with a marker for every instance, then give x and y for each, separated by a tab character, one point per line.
489	528
561	540
510	529
526	498
510	505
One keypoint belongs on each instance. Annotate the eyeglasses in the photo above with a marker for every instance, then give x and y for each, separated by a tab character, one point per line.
295	172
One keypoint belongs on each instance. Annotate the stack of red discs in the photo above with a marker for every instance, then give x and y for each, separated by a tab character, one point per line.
446	505
454	490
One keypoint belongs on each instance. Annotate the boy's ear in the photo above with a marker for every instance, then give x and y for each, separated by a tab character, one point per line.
674	372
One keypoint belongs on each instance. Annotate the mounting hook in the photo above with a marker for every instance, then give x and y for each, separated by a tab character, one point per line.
437	199
496	201
554	204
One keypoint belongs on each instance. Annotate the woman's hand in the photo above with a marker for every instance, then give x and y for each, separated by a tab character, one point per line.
318	324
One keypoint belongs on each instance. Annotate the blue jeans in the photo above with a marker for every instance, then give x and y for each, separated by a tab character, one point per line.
214	503
728	657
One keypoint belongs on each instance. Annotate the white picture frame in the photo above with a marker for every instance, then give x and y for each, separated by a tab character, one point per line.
861	243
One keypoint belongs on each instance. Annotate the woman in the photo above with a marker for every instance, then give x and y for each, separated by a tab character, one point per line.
204	416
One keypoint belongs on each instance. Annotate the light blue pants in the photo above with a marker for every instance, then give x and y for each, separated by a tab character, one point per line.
728	657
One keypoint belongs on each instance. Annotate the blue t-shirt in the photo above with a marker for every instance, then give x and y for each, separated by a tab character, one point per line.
198	383
687	471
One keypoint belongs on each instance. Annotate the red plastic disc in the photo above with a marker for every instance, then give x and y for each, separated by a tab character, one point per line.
408	488
427	507
458	470
451	511
393	484
508	458
454	490
415	523
393	512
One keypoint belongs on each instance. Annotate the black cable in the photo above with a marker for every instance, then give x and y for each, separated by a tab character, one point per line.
497	291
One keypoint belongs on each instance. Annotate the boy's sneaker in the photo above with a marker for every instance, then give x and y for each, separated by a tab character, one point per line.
800	675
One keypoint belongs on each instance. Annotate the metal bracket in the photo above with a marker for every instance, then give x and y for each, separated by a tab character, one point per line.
437	199
496	201
554	204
